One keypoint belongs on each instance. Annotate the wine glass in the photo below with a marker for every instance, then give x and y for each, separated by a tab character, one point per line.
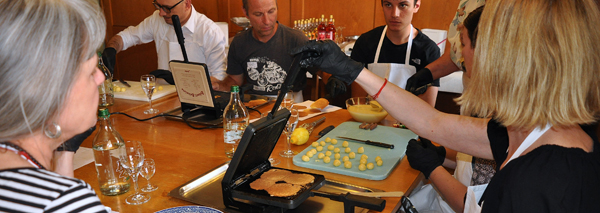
148	83
132	160
288	101
148	170
289	128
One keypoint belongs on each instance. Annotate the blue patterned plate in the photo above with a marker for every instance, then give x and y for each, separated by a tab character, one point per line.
190	209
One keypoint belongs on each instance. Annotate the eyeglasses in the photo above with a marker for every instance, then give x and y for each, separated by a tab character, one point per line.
167	9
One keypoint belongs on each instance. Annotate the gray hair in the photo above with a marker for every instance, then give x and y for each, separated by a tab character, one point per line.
42	46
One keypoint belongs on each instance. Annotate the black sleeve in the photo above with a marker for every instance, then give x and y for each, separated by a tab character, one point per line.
359	51
498	136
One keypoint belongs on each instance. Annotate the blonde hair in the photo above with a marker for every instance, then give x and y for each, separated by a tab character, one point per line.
42	46
536	62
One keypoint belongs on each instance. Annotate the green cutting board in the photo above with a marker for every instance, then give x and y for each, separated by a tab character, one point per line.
391	157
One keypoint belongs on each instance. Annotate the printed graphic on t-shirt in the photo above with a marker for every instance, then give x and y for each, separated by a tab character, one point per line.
269	76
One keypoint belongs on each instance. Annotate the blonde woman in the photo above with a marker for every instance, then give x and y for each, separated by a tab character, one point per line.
50	80
535	80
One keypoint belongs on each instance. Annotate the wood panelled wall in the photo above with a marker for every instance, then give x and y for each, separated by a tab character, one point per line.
357	16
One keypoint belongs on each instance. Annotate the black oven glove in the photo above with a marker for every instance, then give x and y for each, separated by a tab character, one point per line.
417	83
335	87
164	74
72	145
109	58
327	56
423	157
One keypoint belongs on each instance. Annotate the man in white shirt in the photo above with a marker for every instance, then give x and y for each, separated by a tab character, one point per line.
204	40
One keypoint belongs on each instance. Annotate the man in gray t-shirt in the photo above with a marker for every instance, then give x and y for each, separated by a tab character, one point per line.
260	56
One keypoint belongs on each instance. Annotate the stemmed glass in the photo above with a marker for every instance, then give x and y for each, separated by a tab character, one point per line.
132	160
289	128
148	170
148	83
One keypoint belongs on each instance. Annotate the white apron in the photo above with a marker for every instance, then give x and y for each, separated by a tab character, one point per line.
397	74
474	193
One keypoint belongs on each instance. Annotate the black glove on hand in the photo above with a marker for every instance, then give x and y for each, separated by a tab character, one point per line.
335	87
440	150
416	84
72	145
422	158
109	57
164	74
327	56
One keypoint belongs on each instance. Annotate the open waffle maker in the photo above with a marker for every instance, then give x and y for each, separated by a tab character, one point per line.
251	160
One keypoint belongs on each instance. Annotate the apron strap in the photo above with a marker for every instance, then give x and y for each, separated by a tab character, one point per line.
376	60
529	140
408	48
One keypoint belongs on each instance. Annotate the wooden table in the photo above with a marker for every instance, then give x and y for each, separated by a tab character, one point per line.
182	153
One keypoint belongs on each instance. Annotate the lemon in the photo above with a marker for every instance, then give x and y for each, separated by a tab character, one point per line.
301	136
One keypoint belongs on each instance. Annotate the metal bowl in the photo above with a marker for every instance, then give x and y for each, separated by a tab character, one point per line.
241	21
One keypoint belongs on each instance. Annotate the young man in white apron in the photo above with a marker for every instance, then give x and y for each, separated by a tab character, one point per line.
397	50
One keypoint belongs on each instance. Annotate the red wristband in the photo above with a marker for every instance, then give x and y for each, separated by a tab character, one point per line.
380	89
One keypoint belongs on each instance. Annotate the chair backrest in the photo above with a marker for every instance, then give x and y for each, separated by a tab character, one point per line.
438	36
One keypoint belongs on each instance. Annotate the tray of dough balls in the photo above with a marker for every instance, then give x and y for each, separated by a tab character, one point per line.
356	159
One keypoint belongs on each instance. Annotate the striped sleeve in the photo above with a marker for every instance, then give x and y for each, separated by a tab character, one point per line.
35	190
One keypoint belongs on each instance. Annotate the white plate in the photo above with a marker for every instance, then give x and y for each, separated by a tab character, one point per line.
190	209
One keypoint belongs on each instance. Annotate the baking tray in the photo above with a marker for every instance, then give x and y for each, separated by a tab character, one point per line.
206	190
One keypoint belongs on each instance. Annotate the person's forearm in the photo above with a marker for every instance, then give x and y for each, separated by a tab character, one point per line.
226	83
450	161
115	42
449	188
461	133
430	96
443	66
63	163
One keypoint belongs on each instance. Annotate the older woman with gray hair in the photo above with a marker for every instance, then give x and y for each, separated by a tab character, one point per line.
535	82
49	94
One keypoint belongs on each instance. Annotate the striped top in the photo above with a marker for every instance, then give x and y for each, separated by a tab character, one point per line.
38	190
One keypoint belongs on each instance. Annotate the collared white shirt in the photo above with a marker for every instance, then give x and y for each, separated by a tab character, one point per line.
204	41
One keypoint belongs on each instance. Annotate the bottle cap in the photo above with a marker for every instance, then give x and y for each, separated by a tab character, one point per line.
235	88
103	112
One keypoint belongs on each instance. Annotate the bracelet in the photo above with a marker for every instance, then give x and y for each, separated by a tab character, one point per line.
380	89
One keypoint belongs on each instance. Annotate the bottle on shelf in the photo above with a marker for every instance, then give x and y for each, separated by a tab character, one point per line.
322	29
235	121
108	146
107	96
330	30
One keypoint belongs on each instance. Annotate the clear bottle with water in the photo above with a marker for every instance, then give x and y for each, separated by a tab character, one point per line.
107	95
235	121
108	145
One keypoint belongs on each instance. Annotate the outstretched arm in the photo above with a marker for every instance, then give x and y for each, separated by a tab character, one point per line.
461	133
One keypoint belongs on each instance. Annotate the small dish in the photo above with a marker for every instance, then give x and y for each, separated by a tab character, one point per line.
365	109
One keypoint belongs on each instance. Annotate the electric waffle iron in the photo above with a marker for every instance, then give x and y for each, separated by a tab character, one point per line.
251	160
